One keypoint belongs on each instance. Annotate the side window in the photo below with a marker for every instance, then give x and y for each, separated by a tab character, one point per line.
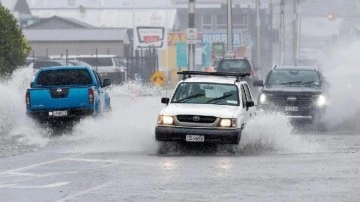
243	96
181	91
247	92
97	78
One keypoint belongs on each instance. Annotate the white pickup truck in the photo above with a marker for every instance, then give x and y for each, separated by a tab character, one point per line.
206	107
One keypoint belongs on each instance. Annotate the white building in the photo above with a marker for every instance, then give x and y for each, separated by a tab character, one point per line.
110	13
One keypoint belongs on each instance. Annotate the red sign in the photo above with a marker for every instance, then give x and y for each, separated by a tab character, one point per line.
150	39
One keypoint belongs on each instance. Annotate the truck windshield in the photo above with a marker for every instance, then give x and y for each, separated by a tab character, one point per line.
234	65
64	77
308	78
206	93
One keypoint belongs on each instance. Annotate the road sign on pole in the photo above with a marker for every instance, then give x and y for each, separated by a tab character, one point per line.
191	35
158	78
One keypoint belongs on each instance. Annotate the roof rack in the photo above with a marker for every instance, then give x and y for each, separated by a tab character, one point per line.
187	74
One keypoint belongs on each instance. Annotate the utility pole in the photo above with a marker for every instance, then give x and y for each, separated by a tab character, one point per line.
258	40
282	32
297	32
229	26
191	45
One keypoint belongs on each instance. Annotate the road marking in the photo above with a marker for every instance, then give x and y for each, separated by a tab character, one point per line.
91	160
6	185
33	166
26	174
15	186
54	161
84	192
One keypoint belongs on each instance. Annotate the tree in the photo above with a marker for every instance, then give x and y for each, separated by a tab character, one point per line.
13	46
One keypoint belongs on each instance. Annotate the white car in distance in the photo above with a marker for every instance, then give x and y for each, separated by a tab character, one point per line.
108	66
206	107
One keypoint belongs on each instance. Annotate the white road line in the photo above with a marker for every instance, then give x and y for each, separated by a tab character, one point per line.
57	184
54	161
33	166
6	185
70	158
84	192
91	160
26	174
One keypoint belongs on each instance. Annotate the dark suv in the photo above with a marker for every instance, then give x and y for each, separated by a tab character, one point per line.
239	65
298	91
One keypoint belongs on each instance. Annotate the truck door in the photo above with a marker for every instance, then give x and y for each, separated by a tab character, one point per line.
100	91
243	105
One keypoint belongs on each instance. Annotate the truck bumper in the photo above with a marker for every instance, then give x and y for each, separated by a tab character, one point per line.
223	136
303	113
47	115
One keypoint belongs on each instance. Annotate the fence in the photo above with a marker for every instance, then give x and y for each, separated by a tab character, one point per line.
142	63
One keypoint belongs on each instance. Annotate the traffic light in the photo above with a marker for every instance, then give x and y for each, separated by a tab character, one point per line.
331	16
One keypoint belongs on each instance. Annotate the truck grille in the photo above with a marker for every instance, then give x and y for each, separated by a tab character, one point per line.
299	100
196	119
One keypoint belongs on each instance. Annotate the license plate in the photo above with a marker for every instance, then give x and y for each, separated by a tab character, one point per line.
195	138
291	109
58	113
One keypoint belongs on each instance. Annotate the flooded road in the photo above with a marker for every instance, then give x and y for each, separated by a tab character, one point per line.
115	158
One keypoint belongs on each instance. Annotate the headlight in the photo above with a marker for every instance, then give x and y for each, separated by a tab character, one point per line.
262	98
227	123
321	101
166	120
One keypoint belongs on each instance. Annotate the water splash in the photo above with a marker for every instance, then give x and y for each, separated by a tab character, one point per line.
18	132
341	67
273	133
129	127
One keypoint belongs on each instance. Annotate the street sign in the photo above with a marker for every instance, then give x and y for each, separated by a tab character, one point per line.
150	39
191	35
190	41
148	36
158	78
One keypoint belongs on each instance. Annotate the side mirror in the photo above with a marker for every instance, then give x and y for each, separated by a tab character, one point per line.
106	82
258	83
165	100
31	84
250	104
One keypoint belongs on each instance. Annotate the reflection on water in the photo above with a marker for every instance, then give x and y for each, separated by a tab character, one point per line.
168	164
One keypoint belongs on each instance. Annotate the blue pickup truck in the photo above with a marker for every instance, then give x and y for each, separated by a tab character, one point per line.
64	93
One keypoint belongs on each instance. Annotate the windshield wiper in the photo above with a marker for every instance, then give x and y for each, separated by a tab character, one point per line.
219	98
292	82
309	82
190	97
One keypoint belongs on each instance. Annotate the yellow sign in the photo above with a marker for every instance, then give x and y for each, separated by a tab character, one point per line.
158	78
